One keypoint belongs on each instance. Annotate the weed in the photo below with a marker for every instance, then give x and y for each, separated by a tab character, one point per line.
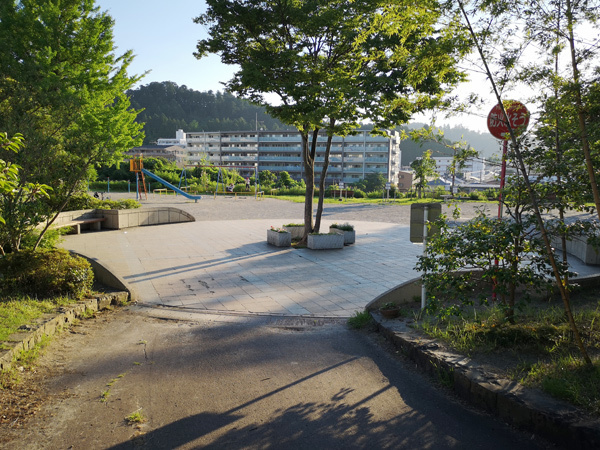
360	319
28	357
88	314
104	396
135	417
135	363
444	375
569	379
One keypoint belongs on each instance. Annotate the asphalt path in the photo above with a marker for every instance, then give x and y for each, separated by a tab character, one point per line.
203	381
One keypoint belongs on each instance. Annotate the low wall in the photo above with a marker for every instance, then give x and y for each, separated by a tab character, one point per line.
117	219
401	294
580	248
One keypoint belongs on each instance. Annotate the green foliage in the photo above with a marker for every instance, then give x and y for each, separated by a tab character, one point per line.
63	87
86	201
24	310
424	168
358	193
284	180
168	107
374	65
50	240
360	320
570	380
460	265
45	274
20	211
266	178
343	226
374	181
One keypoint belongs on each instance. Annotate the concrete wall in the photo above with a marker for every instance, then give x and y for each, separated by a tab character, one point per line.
117	219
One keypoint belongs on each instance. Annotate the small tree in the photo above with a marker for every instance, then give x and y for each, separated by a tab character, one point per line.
374	181
424	169
332	64
266	178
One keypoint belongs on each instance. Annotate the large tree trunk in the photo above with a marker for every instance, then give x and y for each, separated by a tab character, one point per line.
322	180
308	160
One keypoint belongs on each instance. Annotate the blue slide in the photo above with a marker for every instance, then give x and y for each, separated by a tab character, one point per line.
170	186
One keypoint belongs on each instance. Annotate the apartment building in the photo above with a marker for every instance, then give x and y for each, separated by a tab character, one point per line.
351	157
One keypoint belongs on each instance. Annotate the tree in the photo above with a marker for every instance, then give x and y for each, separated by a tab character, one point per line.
62	86
374	181
17	200
284	180
499	56
331	64
424	168
266	178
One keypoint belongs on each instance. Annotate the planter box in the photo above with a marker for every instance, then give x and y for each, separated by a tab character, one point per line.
325	241
279	239
349	236
297	232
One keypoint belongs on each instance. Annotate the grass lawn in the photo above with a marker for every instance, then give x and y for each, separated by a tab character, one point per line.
17	312
537	349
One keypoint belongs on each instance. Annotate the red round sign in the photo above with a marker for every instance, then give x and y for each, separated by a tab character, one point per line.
518	116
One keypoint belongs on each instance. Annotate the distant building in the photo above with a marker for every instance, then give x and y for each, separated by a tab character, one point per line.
405	180
474	167
351	157
173	153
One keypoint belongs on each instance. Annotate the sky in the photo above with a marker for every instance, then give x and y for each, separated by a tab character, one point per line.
163	38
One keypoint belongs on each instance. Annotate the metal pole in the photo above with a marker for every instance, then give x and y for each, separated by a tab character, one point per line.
423	289
500	206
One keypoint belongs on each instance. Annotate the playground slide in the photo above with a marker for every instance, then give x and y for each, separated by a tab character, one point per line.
170	186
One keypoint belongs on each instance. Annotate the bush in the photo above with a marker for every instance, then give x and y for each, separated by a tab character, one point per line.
45	274
359	194
477	196
375	194
52	237
86	201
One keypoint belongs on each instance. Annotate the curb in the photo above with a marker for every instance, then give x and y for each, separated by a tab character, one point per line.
48	324
524	408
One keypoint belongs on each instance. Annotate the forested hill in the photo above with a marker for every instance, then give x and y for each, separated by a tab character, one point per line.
169	107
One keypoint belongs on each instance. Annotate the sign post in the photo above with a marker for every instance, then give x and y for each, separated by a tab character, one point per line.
517	116
420	216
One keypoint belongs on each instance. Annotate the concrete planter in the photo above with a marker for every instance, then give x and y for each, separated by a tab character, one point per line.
325	241
278	239
297	232
349	236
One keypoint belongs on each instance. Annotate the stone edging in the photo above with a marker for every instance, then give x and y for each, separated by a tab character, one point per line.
525	408
48	324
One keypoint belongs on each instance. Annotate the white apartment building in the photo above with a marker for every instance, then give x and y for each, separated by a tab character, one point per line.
474	167
351	157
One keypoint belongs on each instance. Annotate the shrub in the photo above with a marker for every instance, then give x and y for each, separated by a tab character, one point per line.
52	237
86	201
359	194
343	226
375	194
45	274
477	196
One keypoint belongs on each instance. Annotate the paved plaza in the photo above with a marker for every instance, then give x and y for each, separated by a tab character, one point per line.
222	263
